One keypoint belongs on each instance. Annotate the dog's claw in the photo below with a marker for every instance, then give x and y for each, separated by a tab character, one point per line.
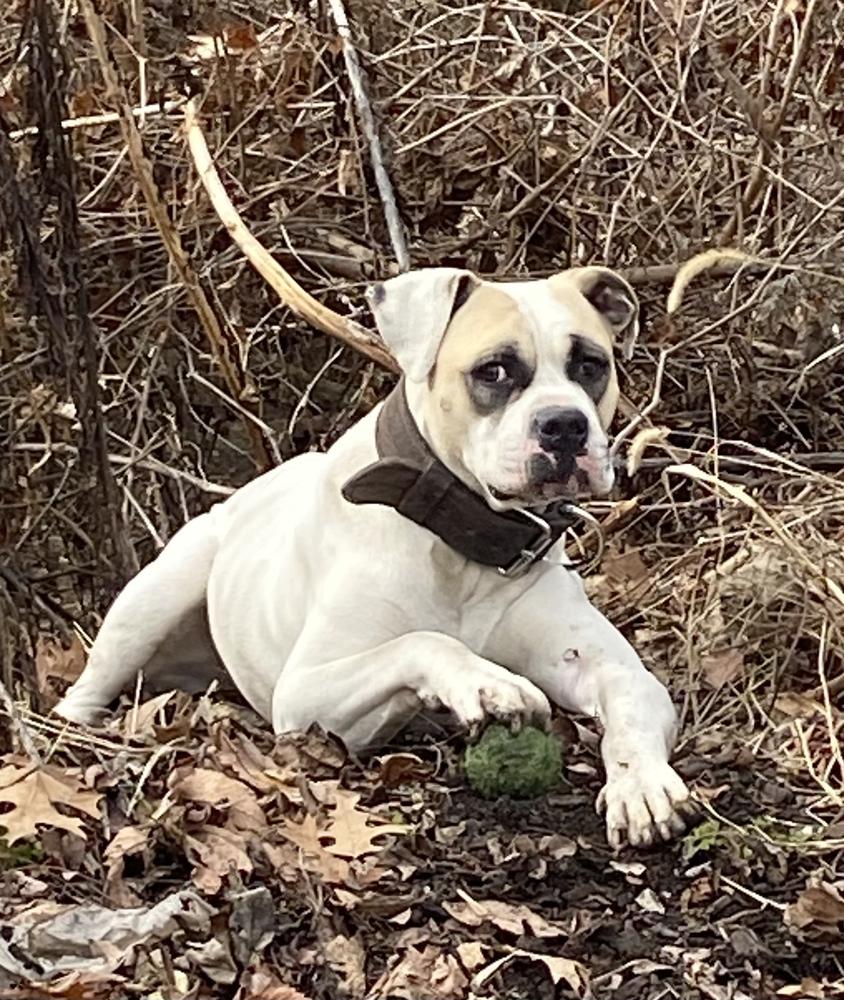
643	804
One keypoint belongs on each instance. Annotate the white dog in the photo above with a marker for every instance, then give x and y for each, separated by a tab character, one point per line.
418	561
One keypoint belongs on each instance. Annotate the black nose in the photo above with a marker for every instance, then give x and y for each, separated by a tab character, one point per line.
561	429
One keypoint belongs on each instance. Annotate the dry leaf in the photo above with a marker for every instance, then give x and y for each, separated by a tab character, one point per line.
575	975
314	857
215	960
256	769
347	958
795	705
140	721
646	437
351	831
561	970
236	40
252	923
212	788
471	954
130	840
428	973
512	918
806	989
634	868
722	668
54	662
556	846
626	568
650	902
73	986
263	984
313	752
817	913
215	853
240	37
403	769
34	791
82	104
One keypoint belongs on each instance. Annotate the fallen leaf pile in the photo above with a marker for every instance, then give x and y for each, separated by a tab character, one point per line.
188	853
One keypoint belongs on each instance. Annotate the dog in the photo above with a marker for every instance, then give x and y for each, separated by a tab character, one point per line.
419	561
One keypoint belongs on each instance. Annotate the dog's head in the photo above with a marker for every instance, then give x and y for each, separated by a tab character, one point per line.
514	384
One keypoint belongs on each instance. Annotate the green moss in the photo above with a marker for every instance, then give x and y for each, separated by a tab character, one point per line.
18	855
522	765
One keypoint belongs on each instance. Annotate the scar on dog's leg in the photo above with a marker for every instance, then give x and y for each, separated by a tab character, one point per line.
362	697
142	618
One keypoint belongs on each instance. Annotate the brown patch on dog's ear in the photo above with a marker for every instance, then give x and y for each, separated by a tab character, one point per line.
467	284
612	298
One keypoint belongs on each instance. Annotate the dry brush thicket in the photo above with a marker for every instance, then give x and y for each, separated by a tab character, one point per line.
519	138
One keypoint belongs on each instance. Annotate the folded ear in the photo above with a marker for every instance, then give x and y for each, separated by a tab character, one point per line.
611	296
413	311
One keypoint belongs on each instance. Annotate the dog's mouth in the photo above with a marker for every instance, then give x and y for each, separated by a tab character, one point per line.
551	478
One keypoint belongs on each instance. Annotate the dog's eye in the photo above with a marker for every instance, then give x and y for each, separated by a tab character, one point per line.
591	368
492	373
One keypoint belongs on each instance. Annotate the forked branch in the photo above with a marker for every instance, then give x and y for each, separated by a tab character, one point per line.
283	284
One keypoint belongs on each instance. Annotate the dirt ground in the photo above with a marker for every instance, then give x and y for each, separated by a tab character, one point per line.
147	371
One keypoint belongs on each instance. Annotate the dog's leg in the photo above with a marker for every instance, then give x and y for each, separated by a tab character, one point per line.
146	612
554	636
368	695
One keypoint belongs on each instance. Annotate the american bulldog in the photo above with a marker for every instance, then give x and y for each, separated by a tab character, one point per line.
419	561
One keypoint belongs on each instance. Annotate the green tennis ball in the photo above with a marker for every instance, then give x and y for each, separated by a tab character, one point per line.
523	765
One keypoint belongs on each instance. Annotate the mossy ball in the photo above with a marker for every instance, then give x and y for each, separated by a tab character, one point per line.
523	765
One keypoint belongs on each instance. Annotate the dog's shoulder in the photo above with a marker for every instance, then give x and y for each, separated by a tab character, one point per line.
269	493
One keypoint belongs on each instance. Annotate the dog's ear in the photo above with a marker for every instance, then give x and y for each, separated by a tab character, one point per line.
413	311
612	297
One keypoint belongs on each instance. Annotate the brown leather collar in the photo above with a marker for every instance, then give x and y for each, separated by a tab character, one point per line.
411	479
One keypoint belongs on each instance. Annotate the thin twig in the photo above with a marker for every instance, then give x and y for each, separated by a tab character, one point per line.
285	286
151	464
754	184
223	352
645	412
106	118
18	726
364	108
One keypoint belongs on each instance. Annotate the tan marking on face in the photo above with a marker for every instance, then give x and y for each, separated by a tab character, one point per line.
489	320
591	325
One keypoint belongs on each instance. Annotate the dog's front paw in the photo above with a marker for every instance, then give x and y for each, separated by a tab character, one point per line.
479	693
644	802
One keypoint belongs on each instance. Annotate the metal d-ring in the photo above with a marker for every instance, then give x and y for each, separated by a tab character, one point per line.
584	566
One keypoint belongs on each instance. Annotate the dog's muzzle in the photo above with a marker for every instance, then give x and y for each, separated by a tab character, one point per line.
561	431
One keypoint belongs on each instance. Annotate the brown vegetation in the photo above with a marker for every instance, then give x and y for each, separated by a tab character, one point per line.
147	370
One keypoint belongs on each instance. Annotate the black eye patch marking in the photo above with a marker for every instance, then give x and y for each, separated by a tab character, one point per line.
492	381
589	367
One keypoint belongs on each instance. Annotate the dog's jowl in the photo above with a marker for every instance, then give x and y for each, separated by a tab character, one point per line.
458	482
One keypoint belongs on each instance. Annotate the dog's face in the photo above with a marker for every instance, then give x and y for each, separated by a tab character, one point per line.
513	384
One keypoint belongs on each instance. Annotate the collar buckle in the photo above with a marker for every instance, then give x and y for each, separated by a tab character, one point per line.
532	553
547	537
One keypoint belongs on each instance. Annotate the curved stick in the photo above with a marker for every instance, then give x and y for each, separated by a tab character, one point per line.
285	286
